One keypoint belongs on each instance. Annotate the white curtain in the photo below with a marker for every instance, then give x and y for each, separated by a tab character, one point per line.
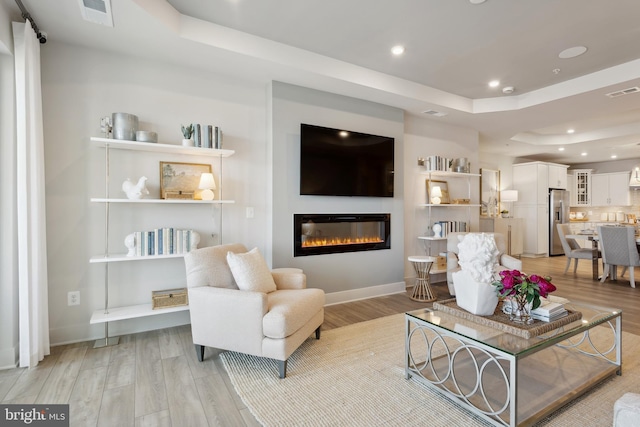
32	237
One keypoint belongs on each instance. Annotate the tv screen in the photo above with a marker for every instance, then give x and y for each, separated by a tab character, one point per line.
335	162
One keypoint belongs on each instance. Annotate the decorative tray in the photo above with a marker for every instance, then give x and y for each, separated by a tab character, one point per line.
500	320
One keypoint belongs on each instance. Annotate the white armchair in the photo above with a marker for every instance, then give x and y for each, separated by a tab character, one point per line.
506	262
267	321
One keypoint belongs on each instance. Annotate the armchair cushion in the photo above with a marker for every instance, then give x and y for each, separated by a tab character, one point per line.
251	271
289	310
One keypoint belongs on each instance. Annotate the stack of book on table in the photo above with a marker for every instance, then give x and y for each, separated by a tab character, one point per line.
549	312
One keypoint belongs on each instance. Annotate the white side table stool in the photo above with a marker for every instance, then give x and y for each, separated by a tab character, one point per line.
422	288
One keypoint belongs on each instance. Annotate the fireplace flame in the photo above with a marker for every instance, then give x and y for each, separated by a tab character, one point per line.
335	241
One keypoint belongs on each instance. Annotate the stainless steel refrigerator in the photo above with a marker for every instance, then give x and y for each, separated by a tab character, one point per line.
558	214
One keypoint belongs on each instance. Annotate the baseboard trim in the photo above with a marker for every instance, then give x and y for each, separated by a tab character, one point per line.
8	358
364	293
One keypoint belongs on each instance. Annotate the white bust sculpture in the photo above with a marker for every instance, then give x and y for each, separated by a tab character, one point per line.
478	256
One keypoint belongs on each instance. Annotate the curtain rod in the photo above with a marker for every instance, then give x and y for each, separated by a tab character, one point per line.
42	36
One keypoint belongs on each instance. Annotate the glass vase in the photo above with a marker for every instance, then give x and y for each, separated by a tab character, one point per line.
520	310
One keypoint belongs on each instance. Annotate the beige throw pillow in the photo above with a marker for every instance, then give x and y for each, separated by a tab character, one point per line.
251	271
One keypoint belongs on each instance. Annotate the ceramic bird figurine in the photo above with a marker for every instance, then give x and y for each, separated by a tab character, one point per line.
135	191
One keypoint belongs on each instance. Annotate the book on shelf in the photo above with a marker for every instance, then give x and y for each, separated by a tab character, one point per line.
451	227
163	241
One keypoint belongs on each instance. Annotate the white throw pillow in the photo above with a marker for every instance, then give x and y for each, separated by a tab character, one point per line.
251	271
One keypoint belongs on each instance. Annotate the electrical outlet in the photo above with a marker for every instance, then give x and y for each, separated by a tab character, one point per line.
249	212
73	298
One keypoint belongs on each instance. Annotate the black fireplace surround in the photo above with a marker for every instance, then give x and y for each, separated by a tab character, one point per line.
319	234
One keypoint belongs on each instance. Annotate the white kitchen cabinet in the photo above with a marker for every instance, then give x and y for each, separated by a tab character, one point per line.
557	176
510	228
610	189
580	187
536	229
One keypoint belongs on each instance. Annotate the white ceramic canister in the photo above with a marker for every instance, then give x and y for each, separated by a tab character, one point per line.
125	126
604	216
612	216
620	217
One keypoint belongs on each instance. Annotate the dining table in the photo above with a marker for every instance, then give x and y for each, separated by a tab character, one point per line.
593	237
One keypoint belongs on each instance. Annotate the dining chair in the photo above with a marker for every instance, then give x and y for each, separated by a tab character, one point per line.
572	249
618	249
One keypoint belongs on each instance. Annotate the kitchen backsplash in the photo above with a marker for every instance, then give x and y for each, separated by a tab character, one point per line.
596	213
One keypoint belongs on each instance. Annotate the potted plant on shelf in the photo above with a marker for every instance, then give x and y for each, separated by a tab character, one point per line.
505	213
187	133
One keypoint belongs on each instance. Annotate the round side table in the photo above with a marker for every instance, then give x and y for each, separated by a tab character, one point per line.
422	288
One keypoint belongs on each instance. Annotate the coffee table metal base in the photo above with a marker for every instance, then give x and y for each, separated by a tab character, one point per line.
503	388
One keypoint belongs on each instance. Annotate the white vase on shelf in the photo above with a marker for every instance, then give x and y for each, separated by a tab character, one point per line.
188	143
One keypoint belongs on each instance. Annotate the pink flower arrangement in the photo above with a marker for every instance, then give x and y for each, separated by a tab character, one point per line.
515	284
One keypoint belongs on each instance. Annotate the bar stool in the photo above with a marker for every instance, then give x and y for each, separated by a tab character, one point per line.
422	291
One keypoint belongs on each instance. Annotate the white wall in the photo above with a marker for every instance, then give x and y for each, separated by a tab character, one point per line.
79	87
346	275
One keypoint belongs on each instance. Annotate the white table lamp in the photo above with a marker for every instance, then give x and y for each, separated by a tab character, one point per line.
436	193
207	185
509	196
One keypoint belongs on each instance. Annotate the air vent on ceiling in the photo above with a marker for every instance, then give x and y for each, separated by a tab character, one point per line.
434	113
623	92
97	11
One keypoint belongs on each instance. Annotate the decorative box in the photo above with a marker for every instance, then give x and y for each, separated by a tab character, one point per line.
169	298
170	194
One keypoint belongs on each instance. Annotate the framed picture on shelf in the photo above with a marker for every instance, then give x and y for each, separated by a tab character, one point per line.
437	192
181	180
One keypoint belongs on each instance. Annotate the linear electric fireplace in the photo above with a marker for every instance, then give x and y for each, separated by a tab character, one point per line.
318	234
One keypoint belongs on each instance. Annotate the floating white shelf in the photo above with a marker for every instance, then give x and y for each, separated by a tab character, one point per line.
448	205
131	312
124	257
431	238
449	173
161	201
160	148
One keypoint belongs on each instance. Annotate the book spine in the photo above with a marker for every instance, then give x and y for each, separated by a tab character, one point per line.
218	138
150	247
159	241
172	240
138	238
197	136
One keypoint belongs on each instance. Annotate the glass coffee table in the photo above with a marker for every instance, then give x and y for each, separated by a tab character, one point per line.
504	378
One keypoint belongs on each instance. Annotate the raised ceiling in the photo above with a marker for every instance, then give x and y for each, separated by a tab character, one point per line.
453	48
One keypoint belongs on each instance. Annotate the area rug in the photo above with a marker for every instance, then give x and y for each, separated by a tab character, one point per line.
354	376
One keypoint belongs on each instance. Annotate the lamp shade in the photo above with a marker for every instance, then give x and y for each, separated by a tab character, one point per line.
436	193
509	195
207	182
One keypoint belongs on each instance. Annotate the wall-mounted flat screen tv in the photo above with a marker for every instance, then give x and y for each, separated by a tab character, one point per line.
337	162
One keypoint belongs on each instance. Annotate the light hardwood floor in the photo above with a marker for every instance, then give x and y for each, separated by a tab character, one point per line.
154	378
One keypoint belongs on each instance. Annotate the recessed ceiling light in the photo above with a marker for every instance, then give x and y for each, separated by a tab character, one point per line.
343	133
477	1
508	90
583	154
494	83
613	156
572	52
397	50
571	130
560	148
